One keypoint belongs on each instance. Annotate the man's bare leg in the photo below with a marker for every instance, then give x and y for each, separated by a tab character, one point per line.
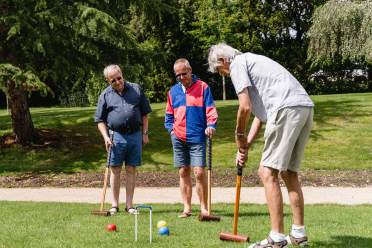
186	187
295	195
201	188
270	179
130	184
115	184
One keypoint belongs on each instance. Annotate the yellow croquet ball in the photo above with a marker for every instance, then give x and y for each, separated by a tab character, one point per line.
161	223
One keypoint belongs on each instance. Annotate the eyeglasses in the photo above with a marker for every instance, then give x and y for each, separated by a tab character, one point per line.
116	79
178	76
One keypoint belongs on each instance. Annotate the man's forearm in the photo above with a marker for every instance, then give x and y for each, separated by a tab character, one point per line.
241	123
254	130
242	118
145	123
102	127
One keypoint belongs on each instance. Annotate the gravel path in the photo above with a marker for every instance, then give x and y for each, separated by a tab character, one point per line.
313	195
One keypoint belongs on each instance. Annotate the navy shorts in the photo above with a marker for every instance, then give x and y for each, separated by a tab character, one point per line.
127	149
185	154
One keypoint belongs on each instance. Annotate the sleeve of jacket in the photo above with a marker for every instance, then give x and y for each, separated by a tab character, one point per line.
211	111
101	111
169	114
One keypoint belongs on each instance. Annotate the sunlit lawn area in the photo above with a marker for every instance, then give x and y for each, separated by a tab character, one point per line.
341	139
26	224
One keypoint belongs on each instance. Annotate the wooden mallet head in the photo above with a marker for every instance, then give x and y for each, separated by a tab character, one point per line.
233	237
204	217
101	213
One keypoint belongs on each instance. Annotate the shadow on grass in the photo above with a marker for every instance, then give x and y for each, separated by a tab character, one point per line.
72	144
160	142
345	241
54	117
81	146
167	211
219	213
327	109
343	110
158	152
245	214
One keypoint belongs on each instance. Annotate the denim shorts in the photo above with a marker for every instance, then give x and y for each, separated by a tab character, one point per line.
186	154
127	149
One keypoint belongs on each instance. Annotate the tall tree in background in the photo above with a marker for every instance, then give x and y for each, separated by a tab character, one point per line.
341	35
162	42
52	43
216	21
275	28
283	26
16	83
154	40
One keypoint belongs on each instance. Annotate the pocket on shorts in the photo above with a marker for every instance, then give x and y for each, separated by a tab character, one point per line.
271	124
173	139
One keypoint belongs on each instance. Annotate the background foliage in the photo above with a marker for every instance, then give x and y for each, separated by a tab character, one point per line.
341	46
66	44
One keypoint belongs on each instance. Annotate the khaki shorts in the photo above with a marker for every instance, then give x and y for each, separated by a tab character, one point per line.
286	135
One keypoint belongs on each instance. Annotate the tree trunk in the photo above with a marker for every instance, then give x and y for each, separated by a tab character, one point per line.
20	113
223	88
369	71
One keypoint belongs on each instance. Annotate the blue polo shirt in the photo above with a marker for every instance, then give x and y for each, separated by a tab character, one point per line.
122	112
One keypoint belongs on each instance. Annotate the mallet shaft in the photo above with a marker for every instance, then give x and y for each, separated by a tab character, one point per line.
237	200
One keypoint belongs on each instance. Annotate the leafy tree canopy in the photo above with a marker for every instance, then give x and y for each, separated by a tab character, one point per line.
21	79
58	44
341	33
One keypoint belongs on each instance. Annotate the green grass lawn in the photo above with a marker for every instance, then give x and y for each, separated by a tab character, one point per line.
26	224
341	139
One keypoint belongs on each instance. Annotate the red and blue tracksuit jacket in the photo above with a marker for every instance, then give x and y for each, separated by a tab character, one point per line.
189	114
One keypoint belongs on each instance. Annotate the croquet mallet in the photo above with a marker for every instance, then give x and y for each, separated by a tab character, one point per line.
234	236
209	217
102	212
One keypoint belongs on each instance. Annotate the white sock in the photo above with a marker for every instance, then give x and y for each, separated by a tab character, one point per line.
276	237
298	231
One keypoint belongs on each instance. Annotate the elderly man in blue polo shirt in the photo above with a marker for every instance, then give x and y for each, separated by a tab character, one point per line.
122	120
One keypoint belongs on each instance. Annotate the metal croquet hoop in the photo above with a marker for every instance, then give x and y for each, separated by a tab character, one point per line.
136	221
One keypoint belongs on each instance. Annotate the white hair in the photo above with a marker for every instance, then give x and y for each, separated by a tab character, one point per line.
109	69
218	51
183	61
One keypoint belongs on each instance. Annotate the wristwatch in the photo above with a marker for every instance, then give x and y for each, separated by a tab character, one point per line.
145	132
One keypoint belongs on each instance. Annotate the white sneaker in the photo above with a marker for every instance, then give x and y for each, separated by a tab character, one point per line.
131	210
114	210
297	241
269	243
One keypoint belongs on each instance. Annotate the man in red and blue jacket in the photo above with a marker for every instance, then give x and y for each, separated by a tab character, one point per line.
190	116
